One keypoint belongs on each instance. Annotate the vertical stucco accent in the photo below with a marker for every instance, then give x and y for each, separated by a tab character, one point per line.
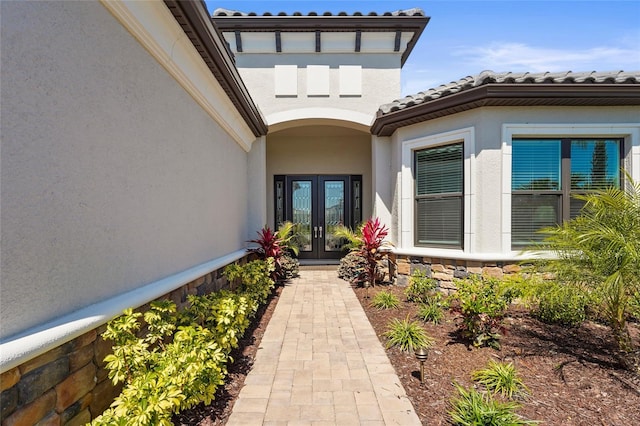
381	181
257	191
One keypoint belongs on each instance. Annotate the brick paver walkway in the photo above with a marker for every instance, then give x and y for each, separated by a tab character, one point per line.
321	363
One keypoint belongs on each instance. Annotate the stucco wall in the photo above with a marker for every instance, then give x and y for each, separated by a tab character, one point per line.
319	150
112	176
380	81
488	175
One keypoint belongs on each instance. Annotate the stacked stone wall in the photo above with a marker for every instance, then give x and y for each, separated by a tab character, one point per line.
69	384
445	270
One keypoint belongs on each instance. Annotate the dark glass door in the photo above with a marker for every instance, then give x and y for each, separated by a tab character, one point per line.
317	204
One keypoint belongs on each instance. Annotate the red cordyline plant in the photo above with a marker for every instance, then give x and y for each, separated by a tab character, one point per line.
373	235
367	242
268	244
275	244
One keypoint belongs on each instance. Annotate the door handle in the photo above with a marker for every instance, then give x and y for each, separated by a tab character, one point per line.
321	232
315	232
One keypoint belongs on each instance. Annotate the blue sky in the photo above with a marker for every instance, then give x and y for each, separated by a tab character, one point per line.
466	37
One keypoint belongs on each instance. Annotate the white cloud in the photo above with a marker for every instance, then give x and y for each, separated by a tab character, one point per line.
522	57
421	73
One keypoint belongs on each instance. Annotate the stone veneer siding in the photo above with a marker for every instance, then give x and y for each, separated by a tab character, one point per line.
69	384
445	270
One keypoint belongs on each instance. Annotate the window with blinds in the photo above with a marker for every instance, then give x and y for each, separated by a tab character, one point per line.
546	173
439	183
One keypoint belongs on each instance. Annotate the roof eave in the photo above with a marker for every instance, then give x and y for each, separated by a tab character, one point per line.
194	19
386	124
415	24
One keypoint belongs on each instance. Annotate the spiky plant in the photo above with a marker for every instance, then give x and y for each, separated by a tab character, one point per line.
407	335
600	250
385	300
472	408
431	311
502	378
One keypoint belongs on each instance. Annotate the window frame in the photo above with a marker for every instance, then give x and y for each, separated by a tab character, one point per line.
629	152
458	195
405	240
565	192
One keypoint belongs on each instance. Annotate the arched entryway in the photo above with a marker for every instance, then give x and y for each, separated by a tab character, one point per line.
318	176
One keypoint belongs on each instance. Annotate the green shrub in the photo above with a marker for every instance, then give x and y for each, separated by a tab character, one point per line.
560	304
161	379
472	408
420	287
255	278
181	358
385	300
481	305
600	250
634	306
514	286
432	310
502	378
407	335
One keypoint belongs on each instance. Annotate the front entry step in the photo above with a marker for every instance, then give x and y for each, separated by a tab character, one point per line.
319	264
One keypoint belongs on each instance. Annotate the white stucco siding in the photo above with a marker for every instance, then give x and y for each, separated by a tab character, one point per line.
485	202
380	81
319	150
112	176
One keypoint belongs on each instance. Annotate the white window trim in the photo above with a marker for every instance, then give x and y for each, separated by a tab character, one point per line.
406	212
630	133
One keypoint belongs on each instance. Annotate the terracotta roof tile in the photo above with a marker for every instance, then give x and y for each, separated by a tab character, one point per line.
490	77
408	12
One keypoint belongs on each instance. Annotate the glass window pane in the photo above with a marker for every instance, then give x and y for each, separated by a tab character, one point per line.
529	214
535	164
279	202
595	164
439	170
439	221
357	203
301	205
333	213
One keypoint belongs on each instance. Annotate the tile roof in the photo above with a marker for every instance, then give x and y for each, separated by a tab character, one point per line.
490	77
407	12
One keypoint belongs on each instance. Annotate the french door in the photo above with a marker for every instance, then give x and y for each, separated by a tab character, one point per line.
317	204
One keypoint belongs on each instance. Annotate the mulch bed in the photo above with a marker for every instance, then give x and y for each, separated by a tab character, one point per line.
574	374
